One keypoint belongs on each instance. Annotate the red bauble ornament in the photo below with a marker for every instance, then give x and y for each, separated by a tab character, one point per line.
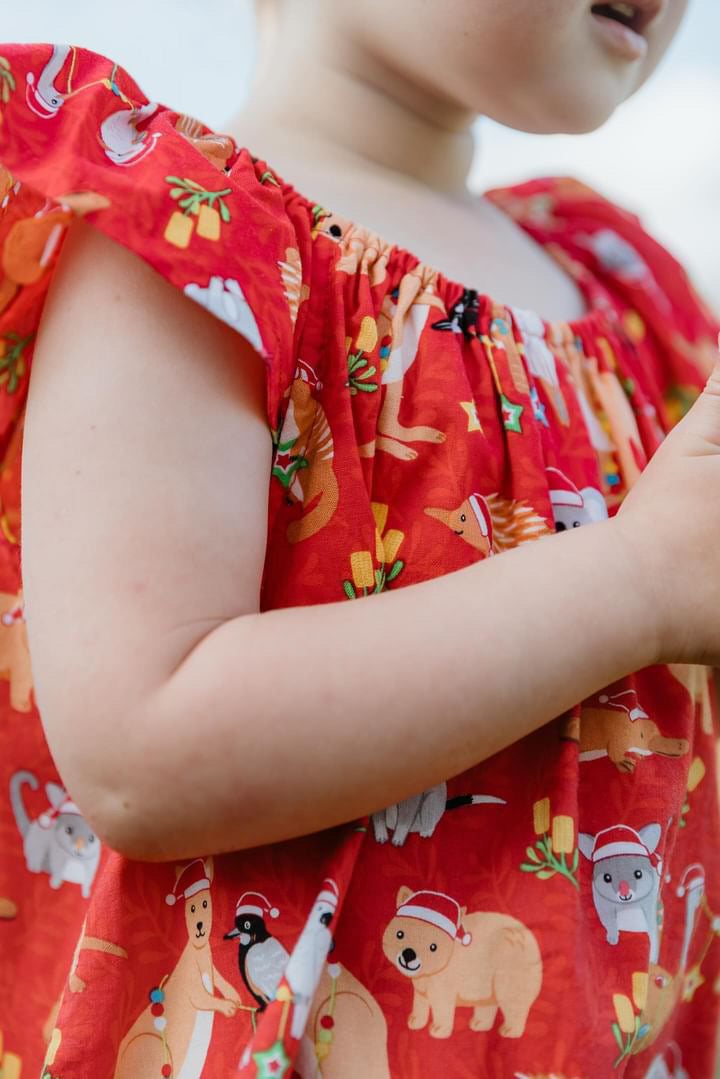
327	1022
166	1071
157	1009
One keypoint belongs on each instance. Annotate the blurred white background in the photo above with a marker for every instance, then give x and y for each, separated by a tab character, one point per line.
659	155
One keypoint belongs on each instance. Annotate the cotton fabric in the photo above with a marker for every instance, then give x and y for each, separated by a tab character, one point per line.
551	911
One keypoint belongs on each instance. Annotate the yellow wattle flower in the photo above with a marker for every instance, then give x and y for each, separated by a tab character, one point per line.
179	229
368	335
362	569
697	771
624	1012
379	547
391	541
380	512
208	225
11	1066
634	325
640	988
563	834
541	816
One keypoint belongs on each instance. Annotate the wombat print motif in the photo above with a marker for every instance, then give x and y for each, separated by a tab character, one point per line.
553	910
486	961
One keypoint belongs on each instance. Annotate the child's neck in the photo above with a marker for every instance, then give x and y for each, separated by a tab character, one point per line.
350	109
396	160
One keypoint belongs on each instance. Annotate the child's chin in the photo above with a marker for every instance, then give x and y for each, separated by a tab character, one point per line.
578	113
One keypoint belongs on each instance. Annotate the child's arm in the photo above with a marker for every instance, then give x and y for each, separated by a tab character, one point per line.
184	721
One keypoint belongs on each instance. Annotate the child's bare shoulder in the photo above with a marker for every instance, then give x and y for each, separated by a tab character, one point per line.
146	460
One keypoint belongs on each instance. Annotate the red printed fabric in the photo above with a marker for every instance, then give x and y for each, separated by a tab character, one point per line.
553	911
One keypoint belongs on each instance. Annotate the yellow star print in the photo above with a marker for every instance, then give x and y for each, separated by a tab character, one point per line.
473	421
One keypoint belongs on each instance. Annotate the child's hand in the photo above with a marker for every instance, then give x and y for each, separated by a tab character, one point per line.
670	520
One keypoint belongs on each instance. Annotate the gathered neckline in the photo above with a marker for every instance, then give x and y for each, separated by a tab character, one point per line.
593	318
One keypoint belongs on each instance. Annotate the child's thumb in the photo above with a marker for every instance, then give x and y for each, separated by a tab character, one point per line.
712	386
704	417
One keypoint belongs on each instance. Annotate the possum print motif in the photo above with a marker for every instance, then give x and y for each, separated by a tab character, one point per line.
59	842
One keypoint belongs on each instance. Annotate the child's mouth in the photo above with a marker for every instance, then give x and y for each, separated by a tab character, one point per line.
621	26
620	12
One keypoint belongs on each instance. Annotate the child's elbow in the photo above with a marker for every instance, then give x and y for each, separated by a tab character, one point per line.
124	823
134	811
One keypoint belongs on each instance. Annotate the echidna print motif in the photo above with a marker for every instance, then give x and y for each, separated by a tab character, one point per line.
554	911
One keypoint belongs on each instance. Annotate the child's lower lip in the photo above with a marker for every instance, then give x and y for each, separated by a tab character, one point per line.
621	39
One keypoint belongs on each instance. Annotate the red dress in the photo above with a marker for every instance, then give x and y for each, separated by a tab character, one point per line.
551	911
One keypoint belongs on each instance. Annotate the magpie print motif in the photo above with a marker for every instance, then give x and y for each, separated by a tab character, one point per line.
463	316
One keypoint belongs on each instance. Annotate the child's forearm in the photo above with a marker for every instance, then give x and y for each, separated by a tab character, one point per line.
289	721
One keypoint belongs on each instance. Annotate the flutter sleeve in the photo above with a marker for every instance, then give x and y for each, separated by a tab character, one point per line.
612	244
79	137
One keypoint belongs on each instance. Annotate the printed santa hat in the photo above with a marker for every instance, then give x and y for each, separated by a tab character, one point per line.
563	491
618	840
693	877
245	905
329	895
47	819
436	908
629	705
35	101
17	614
482	513
192	880
307	373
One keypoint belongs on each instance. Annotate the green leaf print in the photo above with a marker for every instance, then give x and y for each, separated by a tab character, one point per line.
191	195
12	361
618	1037
356	361
7	80
548	864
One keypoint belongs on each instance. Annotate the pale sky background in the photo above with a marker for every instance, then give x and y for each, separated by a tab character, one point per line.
659	155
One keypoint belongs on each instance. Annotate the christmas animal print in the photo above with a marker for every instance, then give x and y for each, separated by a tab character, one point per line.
59	842
486	961
626	880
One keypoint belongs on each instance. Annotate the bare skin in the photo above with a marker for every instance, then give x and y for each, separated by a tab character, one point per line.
180	576
371	110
